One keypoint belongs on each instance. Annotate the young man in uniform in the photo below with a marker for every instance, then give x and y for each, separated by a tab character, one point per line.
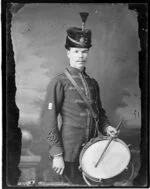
78	124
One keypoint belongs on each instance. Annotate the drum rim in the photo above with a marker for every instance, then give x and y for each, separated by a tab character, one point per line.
92	141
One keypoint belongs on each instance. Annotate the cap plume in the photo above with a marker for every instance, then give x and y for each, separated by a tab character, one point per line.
84	16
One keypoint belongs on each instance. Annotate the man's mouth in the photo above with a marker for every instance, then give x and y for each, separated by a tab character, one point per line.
80	61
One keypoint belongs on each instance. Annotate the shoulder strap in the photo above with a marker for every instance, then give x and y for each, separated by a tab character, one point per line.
80	92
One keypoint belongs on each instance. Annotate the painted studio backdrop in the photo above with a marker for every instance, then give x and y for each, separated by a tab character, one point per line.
38	35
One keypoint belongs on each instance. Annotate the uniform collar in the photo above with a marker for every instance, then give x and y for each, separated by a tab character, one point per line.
75	70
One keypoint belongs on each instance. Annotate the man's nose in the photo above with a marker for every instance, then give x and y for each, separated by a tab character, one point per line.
80	54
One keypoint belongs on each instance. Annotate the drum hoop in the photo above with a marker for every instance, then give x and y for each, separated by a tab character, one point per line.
93	141
92	178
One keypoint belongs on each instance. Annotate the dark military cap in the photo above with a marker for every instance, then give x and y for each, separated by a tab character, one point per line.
79	37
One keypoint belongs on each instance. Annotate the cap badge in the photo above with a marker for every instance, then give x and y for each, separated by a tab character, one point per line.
81	40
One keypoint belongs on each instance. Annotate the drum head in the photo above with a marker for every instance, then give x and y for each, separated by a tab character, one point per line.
115	160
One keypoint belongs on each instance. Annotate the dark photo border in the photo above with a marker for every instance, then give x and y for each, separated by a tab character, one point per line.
11	134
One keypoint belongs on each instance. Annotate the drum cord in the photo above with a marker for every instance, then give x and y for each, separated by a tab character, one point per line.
87	182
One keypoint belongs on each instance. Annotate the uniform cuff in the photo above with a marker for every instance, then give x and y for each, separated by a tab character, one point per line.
55	150
60	154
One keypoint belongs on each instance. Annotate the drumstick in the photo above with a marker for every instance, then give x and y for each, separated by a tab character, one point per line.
111	138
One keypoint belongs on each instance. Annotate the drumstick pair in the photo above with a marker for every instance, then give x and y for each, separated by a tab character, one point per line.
111	138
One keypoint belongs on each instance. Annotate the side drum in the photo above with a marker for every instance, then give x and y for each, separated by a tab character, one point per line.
115	160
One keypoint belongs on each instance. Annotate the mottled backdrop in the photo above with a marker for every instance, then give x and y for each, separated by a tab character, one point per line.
38	34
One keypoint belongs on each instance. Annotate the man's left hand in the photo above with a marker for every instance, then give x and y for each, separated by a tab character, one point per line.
111	131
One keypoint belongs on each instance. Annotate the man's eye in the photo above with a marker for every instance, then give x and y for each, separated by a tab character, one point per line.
85	51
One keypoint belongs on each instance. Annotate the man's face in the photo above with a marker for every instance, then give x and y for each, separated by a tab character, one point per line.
78	57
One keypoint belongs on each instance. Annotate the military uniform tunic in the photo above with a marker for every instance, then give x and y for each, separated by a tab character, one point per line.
78	126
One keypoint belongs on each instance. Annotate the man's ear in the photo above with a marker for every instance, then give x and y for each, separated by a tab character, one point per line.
68	53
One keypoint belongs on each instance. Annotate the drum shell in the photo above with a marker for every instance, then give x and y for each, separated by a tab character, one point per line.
89	144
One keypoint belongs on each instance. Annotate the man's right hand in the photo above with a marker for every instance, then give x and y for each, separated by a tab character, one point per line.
58	164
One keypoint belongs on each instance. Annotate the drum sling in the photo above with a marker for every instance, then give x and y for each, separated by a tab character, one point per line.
83	97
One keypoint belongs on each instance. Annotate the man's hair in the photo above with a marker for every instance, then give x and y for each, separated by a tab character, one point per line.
68	48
